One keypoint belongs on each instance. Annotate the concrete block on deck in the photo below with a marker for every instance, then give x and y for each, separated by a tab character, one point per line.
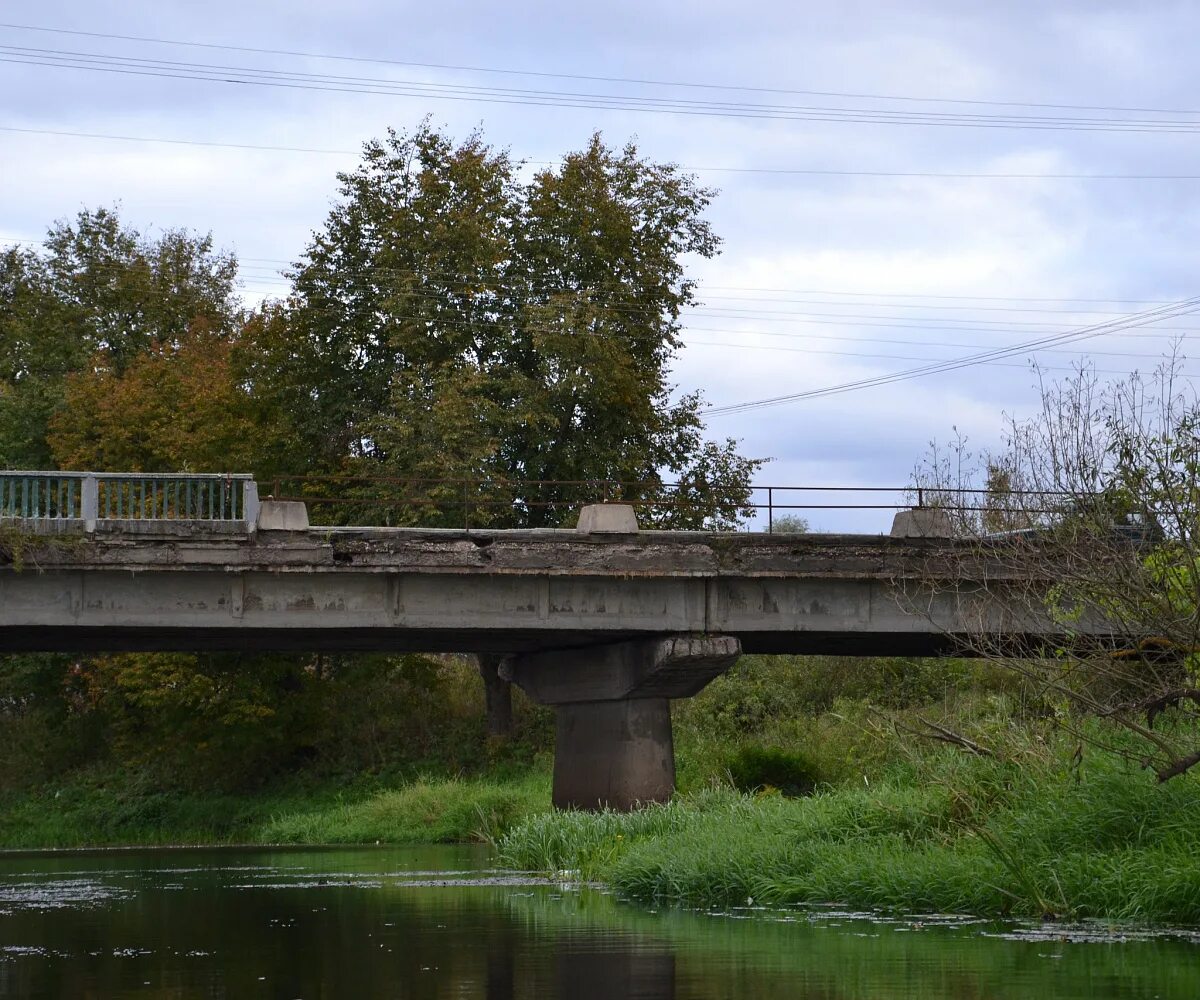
282	515
608	519
922	522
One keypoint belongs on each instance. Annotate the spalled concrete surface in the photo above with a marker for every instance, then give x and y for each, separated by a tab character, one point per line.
675	667
189	587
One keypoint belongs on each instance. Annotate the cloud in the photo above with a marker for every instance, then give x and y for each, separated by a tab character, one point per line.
889	267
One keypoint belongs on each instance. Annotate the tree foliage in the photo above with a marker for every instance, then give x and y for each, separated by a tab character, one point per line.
176	406
452	325
96	286
217	720
1095	501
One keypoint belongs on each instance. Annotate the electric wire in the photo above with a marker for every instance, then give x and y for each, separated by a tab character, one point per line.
688	326
298	80
796	171
1181	308
901	298
274	285
580	76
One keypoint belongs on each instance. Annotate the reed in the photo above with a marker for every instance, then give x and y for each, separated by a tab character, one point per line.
967	835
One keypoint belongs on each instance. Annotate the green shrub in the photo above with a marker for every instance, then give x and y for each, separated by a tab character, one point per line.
754	767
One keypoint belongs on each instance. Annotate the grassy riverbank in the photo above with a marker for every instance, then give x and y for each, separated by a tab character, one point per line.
897	820
101	811
1038	834
389	750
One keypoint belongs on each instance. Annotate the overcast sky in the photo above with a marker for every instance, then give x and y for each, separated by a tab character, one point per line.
823	279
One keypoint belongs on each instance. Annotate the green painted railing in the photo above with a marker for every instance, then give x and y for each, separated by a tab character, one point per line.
94	497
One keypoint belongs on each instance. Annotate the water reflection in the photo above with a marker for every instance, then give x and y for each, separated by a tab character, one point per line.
422	924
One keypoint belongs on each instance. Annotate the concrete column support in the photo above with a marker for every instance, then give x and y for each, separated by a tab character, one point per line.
614	746
613	754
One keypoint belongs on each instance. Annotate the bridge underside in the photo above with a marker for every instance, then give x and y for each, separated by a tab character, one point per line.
115	639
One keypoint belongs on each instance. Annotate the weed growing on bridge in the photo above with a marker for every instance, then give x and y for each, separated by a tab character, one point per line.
18	546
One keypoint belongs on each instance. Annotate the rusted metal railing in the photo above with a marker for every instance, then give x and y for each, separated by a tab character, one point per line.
475	502
99	497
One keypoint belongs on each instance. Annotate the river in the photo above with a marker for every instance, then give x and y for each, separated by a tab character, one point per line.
435	922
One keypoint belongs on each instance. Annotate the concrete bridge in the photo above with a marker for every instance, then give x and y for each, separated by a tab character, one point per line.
605	622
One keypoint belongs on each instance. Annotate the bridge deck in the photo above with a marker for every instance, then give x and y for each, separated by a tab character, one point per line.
183	586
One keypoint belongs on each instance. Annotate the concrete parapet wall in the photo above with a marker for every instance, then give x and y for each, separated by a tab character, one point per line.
922	522
282	515
608	519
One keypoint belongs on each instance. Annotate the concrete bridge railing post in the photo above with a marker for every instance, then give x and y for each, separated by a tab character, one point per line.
614	747
250	504
89	502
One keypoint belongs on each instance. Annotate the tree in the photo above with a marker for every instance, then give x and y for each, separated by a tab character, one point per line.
222	720
499	348
462	331
789	524
1097	501
96	286
177	406
36	353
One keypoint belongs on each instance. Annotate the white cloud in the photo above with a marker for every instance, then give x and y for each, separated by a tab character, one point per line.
897	242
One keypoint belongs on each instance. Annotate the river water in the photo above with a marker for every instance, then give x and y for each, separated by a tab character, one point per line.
435	922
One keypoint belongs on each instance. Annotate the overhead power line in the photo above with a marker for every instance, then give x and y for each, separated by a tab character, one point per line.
910	295
900	357
705	287
794	171
624	312
638	81
440	323
689	328
1176	309
297	80
176	142
496	289
951	311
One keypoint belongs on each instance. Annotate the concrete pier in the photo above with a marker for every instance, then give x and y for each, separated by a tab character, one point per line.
614	746
614	754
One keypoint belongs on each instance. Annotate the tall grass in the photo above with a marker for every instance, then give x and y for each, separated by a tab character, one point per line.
421	812
973	836
418	811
